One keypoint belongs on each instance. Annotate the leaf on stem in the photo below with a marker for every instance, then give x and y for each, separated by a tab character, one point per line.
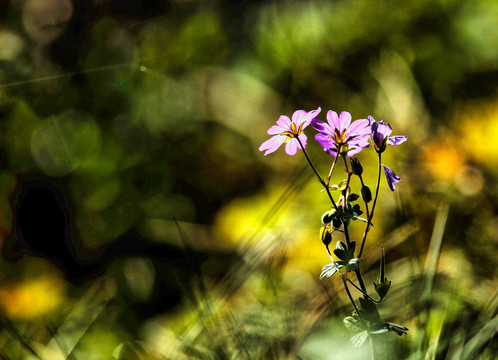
329	270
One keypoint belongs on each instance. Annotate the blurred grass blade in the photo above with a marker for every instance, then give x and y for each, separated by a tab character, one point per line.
478	342
430	269
434	249
78	322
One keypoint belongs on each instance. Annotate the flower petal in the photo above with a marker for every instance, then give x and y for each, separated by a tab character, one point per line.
304	140
318	125
284	122
396	140
323	140
345	120
305	118
291	147
391	177
333	120
272	144
359	126
276	130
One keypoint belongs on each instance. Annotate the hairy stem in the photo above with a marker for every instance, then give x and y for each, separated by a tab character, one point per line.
373	207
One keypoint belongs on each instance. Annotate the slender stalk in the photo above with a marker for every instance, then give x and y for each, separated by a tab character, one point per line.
364	293
325	185
332	168
346	232
352	301
366	204
330	255
372	348
373	206
360	280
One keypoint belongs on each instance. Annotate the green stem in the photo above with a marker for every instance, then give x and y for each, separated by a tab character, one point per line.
360	280
366	204
317	174
352	301
372	348
373	206
364	293
332	168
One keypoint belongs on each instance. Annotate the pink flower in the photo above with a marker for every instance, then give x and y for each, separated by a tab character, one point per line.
381	135
288	132
341	135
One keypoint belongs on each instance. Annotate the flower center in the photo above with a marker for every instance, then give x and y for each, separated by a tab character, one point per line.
294	131
339	137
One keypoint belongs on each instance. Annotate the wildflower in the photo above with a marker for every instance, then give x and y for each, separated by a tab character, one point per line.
288	132
381	132
391	177
341	135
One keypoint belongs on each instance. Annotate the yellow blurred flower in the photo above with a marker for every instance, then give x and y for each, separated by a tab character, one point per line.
478	130
32	297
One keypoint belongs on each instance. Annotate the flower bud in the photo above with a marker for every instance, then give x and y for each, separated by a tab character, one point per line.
326	234
382	287
328	216
337	223
356	166
366	194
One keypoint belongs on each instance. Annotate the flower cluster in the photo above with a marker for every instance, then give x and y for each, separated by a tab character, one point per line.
338	136
341	137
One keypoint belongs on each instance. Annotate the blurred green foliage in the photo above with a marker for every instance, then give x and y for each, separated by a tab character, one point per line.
145	117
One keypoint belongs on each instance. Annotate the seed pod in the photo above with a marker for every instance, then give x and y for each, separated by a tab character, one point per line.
366	194
356	166
326	234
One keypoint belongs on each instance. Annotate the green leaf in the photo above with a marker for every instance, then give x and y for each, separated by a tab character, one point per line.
361	219
358	339
353	197
398	329
342	185
352	323
341	246
329	270
370	310
353	264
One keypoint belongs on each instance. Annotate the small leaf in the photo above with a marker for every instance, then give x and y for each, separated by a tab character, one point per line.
398	329
371	312
358	339
379	331
351	248
341	246
342	185
353	265
329	270
341	254
361	219
352	323
353	197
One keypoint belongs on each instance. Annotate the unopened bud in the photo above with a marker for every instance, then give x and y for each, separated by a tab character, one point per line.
328	216
356	166
326	234
366	194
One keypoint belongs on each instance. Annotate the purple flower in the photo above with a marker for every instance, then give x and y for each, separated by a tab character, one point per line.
391	177
381	132
341	135
288	132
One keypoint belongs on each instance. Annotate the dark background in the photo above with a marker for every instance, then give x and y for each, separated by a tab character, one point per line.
135	204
